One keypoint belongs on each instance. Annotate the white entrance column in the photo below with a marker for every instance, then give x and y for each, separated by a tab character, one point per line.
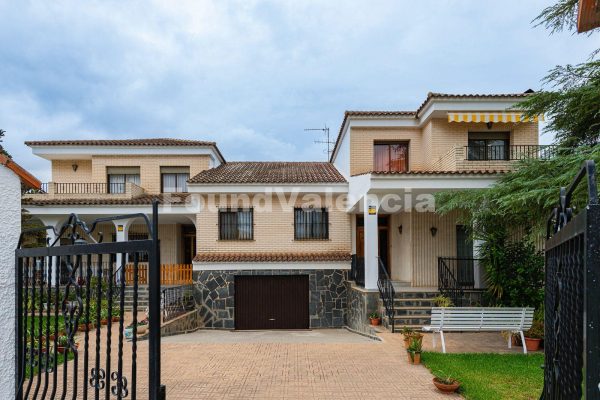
371	241
52	236
122	229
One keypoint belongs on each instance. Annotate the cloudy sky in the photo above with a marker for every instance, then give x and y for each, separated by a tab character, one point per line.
252	75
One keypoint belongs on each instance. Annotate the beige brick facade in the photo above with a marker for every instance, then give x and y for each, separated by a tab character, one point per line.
94	170
438	146
274	229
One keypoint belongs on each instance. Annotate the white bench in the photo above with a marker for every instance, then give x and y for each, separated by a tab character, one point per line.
479	319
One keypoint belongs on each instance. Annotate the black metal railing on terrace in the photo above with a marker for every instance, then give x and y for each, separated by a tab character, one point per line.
387	293
455	275
357	270
509	153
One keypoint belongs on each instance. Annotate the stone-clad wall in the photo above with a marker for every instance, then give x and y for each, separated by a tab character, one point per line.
361	303
327	304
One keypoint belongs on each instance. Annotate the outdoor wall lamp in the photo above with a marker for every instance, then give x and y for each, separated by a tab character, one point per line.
433	231
75	166
400	229
489	124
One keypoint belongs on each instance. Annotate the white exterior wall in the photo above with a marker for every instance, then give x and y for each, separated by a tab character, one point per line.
10	228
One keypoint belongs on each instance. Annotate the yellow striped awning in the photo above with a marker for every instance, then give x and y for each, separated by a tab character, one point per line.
491	117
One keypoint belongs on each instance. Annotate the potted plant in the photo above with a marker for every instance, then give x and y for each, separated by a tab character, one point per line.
375	318
62	345
116	314
414	351
534	336
103	316
446	383
442	301
407	333
142	326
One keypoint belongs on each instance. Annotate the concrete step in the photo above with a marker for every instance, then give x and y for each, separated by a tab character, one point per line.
419	321
412	311
415	295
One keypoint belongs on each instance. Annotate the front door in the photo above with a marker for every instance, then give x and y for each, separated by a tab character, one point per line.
464	252
384	242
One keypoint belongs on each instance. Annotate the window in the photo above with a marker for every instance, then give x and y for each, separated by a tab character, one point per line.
119	176
311	223
174	179
390	157
236	224
142	256
483	146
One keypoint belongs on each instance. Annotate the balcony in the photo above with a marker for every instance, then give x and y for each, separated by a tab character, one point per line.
496	158
69	190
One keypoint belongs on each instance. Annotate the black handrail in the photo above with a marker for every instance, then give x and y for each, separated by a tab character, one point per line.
357	270
509	153
387	293
455	275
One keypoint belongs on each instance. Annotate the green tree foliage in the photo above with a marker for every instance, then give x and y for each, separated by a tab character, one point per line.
2	151
514	270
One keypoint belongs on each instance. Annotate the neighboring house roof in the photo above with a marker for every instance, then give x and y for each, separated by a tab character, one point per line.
26	178
272	257
150	142
122	142
274	172
147	199
466	172
430	96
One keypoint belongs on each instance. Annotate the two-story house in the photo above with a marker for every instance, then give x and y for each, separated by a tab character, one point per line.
303	244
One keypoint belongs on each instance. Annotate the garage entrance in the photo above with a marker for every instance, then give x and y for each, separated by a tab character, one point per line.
271	302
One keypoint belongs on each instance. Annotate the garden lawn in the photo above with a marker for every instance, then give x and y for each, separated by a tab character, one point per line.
491	376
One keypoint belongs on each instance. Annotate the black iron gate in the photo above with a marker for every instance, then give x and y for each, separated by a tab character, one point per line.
572	304
74	337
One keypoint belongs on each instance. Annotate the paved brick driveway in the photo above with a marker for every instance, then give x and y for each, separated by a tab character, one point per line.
294	370
277	365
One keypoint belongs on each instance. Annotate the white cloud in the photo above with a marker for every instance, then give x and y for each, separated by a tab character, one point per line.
253	74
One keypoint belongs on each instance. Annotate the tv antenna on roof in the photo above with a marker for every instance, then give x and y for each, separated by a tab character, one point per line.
328	142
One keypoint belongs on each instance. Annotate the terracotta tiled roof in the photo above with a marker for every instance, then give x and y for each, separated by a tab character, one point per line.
466	172
271	172
173	198
122	142
26	178
430	96
272	257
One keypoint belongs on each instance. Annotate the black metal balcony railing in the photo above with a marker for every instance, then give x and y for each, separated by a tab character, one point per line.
509	153
357	270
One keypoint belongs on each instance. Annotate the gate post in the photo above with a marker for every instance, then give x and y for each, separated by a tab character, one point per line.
10	228
156	392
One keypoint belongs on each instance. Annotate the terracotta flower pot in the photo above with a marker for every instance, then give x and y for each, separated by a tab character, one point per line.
116	319
375	321
532	344
443	387
406	341
414	358
104	321
141	329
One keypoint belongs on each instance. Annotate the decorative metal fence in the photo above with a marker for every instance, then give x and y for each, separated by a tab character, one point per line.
75	339
572	294
387	293
176	301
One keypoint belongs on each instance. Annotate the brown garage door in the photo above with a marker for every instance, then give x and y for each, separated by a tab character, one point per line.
271	302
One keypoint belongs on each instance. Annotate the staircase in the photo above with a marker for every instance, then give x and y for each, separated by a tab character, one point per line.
143	298
412	307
